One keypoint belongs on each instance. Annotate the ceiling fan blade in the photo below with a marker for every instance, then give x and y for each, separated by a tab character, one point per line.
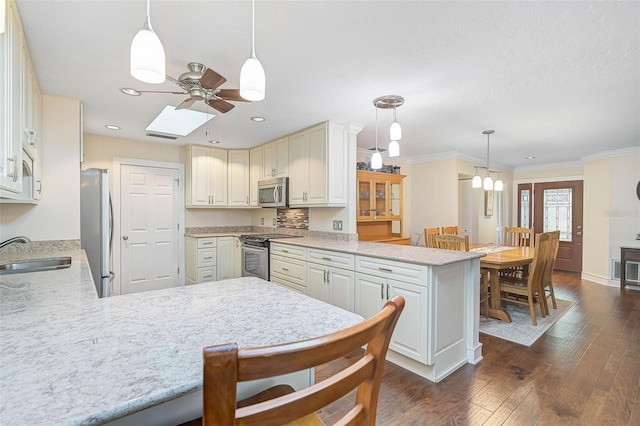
220	105
186	103
211	79
231	95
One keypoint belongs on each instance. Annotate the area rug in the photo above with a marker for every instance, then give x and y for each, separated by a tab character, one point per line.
520	329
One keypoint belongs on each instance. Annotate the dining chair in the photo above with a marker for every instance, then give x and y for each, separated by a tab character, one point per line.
452	242
518	237
428	237
528	291
485	294
226	365
547	277
450	230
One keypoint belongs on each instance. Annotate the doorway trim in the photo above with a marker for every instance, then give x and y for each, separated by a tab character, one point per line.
118	162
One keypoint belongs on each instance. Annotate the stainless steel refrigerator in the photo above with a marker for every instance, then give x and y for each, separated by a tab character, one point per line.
96	226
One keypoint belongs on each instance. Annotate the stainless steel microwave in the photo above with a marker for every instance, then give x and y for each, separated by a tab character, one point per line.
273	192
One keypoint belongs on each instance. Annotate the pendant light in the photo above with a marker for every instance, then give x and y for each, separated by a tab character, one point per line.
252	78
376	158
395	131
476	182
487	183
499	185
147	61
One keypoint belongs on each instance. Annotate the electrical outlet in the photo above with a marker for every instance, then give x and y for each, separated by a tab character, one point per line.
337	225
262	221
274	221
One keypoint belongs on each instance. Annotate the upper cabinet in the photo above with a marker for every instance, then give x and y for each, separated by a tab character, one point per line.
20	121
238	170
379	207
255	174
275	158
12	40
318	167
206	177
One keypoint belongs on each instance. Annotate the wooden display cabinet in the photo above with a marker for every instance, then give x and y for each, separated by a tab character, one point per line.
379	207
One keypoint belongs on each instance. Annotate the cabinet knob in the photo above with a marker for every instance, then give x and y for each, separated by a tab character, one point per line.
125	237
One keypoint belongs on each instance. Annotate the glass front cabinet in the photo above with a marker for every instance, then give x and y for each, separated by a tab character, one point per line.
379	212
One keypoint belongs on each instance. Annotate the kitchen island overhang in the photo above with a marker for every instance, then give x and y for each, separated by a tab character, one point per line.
70	358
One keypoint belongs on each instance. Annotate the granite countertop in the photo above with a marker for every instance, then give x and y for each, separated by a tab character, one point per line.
216	234
68	357
401	253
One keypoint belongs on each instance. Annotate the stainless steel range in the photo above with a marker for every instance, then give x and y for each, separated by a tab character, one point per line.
255	254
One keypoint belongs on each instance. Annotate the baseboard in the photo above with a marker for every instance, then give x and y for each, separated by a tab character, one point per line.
599	279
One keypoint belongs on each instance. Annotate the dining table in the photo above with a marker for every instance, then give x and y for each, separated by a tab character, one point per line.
496	259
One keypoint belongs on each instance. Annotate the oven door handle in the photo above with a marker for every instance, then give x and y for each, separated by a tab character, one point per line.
253	249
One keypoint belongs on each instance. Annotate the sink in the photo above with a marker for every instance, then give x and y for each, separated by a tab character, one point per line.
33	265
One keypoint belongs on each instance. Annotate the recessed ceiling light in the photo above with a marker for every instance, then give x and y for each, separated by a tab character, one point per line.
112	127
531	157
213	142
257	119
129	91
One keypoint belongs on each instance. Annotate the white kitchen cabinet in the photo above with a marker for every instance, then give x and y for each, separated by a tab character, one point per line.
238	170
275	158
237	257
201	259
411	333
330	277
255	174
11	137
287	267
206	177
318	166
38	158
225	258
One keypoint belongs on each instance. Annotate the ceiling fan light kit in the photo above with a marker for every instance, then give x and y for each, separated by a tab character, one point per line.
147	60
252	77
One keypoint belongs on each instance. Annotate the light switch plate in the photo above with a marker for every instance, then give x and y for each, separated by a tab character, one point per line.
337	225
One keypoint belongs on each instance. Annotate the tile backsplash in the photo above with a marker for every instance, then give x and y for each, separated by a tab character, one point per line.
293	218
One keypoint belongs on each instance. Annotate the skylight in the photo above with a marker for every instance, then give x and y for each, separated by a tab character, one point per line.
179	122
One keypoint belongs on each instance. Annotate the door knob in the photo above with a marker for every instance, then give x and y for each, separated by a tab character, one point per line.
125	237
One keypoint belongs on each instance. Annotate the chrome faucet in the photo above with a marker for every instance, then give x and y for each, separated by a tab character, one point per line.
15	240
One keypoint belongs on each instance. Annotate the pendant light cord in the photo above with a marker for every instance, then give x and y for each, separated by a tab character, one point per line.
148	7
376	129
253	28
488	154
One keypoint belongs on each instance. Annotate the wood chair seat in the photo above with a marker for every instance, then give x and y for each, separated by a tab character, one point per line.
227	365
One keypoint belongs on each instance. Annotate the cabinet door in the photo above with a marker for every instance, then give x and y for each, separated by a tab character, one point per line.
218	175
37	125
191	260
255	174
299	178
275	161
317	165
238	168
317	286
200	176
341	288
225	261
369	294
365	191
410	335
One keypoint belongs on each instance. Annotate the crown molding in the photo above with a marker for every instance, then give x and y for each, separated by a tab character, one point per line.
550	166
613	153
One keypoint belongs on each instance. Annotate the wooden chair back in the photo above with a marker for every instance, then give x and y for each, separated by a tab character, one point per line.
528	292
226	365
452	242
428	237
547	275
518	237
450	230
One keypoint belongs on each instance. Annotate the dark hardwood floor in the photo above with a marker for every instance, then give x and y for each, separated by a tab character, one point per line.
585	370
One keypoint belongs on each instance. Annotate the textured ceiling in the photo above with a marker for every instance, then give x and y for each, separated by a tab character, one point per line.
556	80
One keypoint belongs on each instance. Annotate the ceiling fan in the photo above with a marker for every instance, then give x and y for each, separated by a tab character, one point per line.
201	84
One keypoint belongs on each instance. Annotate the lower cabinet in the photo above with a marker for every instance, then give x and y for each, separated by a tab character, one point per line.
410	336
287	267
330	278
211	259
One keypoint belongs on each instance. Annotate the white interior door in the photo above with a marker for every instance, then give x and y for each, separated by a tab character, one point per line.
149	222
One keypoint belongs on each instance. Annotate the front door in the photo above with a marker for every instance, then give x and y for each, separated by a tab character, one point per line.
149	248
558	206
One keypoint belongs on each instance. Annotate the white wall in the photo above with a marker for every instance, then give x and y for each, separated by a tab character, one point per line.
57	216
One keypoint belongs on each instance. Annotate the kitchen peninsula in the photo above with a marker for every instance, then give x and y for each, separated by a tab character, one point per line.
437	332
69	358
